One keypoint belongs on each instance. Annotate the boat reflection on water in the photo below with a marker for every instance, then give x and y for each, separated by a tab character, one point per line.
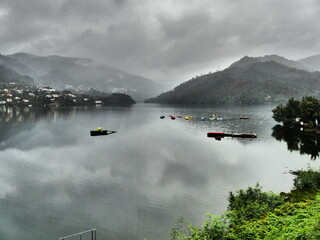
305	142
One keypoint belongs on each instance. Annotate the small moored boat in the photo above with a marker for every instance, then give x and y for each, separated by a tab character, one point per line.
100	132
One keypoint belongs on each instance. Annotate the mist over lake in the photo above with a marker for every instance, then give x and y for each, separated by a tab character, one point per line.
55	179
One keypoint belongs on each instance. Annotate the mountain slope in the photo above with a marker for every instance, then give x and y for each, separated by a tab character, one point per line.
16	65
249	81
245	61
8	76
312	62
83	74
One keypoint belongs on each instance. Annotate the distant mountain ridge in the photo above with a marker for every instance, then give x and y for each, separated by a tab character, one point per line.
247	81
312	62
80	74
245	61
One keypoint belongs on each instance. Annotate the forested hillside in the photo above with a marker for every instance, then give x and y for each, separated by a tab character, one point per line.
245	82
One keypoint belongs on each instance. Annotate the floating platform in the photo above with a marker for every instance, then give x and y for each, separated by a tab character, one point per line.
219	135
101	132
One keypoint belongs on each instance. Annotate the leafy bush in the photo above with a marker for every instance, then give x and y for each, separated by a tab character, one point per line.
179	230
251	204
307	180
213	228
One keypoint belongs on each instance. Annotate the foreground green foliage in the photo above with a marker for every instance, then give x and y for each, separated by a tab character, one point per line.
250	204
289	221
254	214
307	181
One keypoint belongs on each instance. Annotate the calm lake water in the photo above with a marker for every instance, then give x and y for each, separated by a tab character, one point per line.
56	180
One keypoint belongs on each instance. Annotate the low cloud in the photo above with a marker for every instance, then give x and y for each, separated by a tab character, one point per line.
167	40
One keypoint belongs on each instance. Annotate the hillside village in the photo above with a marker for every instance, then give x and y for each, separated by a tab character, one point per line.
14	94
75	73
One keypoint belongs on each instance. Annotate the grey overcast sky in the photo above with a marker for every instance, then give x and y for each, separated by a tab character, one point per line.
168	41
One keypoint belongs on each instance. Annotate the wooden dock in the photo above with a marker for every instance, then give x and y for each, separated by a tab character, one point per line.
219	135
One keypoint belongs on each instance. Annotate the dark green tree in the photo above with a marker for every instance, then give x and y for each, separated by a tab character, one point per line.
279	113
288	113
310	109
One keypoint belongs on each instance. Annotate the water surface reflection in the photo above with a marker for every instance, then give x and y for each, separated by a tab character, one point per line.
56	180
304	142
